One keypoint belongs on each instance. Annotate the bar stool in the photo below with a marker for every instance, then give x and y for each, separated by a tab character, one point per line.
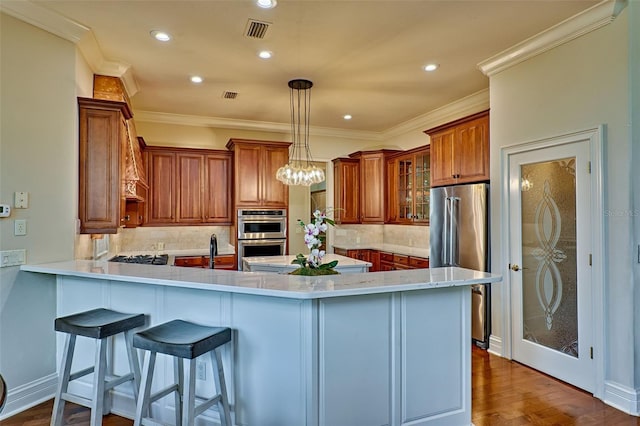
99	324
182	340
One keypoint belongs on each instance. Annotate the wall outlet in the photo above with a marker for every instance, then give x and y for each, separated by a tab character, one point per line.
20	227
160	246
201	370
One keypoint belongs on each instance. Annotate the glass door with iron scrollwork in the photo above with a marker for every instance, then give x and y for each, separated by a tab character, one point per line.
550	243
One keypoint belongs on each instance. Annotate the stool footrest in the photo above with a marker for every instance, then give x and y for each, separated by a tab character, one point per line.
80	373
202	407
77	399
113	381
164	392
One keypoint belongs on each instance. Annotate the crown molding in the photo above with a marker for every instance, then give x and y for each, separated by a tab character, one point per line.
260	126
76	33
468	105
576	26
45	19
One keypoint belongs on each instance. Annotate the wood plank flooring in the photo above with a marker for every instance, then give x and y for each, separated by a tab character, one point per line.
504	393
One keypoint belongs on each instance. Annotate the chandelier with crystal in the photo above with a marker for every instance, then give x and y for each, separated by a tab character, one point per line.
300	169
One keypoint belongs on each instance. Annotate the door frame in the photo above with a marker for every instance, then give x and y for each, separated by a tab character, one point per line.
595	136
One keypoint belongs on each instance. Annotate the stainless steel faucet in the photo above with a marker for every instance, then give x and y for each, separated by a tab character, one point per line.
213	251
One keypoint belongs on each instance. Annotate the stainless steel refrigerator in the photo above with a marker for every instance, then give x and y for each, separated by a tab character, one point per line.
459	236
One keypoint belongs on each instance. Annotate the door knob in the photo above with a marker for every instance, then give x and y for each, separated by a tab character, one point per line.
515	267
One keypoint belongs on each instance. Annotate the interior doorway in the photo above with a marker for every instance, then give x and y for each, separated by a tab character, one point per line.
303	201
553	283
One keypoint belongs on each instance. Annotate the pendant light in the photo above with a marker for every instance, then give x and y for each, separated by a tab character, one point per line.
300	169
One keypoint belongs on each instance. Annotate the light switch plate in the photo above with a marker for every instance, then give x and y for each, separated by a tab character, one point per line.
12	257
21	200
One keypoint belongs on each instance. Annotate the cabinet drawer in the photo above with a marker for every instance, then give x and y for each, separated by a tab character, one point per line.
401	259
191	261
418	262
227	261
386	257
340	252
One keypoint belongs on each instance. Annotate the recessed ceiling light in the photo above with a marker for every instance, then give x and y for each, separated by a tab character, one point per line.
431	67
266	4
347	117
160	35
265	54
197	79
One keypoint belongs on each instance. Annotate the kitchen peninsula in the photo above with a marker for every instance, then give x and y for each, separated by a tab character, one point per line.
352	349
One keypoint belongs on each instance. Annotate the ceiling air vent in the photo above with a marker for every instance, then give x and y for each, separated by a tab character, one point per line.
256	29
230	95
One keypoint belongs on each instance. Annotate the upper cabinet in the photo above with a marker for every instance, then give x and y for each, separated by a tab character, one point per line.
460	151
346	193
255	165
359	187
408	187
189	186
103	138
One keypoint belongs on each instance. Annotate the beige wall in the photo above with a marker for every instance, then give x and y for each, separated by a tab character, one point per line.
38	154
578	85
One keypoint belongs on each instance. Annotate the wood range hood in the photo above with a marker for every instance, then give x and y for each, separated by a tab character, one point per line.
135	179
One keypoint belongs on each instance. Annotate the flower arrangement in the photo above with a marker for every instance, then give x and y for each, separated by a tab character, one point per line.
312	264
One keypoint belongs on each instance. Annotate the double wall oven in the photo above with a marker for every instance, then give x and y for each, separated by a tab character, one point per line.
261	232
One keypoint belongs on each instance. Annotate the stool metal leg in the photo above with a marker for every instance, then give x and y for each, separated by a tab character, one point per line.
143	406
63	381
221	387
189	394
97	410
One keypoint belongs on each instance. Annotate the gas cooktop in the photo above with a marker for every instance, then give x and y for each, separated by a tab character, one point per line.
147	259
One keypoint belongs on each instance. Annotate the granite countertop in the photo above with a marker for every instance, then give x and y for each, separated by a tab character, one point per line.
267	284
391	248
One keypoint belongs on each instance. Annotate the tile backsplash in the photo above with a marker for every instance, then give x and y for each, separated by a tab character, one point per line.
146	239
402	235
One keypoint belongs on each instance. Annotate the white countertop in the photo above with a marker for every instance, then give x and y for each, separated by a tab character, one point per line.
285	261
222	249
268	284
392	248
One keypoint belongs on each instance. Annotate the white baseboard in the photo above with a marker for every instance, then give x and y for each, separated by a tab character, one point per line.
29	395
495	346
622	397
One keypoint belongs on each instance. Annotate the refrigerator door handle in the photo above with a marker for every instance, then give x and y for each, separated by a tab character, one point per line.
452	225
445	241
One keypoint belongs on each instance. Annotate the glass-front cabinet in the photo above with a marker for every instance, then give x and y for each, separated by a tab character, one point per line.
409	186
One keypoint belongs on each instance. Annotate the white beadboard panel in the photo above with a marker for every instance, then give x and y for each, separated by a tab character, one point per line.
272	357
355	339
429	391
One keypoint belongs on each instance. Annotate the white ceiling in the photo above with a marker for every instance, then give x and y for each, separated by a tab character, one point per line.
365	58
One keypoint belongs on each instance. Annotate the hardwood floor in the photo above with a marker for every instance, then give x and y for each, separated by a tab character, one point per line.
507	393
504	393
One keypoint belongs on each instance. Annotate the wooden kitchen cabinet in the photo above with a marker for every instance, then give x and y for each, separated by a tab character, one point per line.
255	165
102	137
372	178
460	151
224	262
189	186
395	262
360	183
346	176
408	188
161	173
